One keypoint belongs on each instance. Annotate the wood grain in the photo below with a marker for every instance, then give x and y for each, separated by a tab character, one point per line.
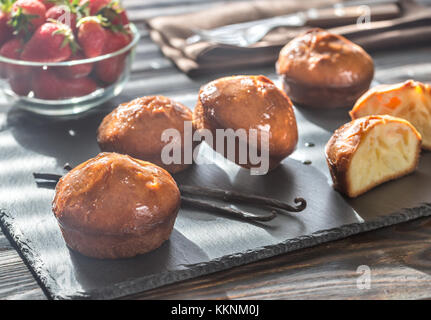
399	257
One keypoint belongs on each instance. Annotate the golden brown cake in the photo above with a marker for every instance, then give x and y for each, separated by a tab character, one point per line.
249	102
324	70
135	128
410	100
114	206
371	150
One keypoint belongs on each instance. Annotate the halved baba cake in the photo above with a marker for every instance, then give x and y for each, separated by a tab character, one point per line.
410	100
371	150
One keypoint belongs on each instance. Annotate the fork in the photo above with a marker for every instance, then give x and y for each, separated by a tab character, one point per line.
248	33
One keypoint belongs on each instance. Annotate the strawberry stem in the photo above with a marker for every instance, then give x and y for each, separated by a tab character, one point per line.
67	33
21	22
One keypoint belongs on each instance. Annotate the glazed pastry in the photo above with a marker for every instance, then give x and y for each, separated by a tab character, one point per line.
114	206
249	102
371	150
135	128
410	100
324	70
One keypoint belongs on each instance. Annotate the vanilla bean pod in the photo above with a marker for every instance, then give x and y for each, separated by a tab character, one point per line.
47	176
50	180
225	210
233	196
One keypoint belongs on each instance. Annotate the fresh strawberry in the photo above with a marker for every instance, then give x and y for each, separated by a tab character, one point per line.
21	85
12	49
79	87
48	3
115	14
68	12
77	71
52	42
5	29
109	9
92	36
48	85
27	16
111	69
96	5
19	76
62	14
122	19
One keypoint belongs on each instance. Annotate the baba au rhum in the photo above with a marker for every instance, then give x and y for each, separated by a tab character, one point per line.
410	100
248	102
114	206
369	151
324	70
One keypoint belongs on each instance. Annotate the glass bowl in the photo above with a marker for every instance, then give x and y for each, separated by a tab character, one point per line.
69	87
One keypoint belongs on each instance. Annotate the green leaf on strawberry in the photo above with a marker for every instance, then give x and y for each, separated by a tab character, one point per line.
67	33
6	5
26	16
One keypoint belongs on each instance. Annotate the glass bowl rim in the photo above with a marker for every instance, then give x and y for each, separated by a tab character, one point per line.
136	37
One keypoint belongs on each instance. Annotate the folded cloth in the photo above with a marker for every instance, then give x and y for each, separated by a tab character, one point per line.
405	24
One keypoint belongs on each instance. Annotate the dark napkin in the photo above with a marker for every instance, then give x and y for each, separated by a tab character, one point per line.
404	24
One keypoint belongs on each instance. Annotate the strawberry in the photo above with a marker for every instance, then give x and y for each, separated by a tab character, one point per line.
79	87
11	49
20	85
122	19
5	29
27	16
96	5
52	42
78	71
109	9
48	3
19	76
92	36
72	8
48	85
111	69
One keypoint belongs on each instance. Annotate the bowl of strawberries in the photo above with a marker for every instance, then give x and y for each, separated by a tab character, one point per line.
64	57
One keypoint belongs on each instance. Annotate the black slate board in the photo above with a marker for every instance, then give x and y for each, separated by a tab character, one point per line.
201	243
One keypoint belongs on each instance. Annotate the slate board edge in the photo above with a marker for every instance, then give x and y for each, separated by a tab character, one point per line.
24	251
150	282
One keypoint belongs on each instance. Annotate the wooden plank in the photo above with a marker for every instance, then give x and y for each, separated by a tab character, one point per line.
140	10
397	257
16	281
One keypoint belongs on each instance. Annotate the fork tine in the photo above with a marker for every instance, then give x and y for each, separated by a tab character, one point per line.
224	38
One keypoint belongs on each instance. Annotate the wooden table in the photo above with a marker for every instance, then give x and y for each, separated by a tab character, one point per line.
398	257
